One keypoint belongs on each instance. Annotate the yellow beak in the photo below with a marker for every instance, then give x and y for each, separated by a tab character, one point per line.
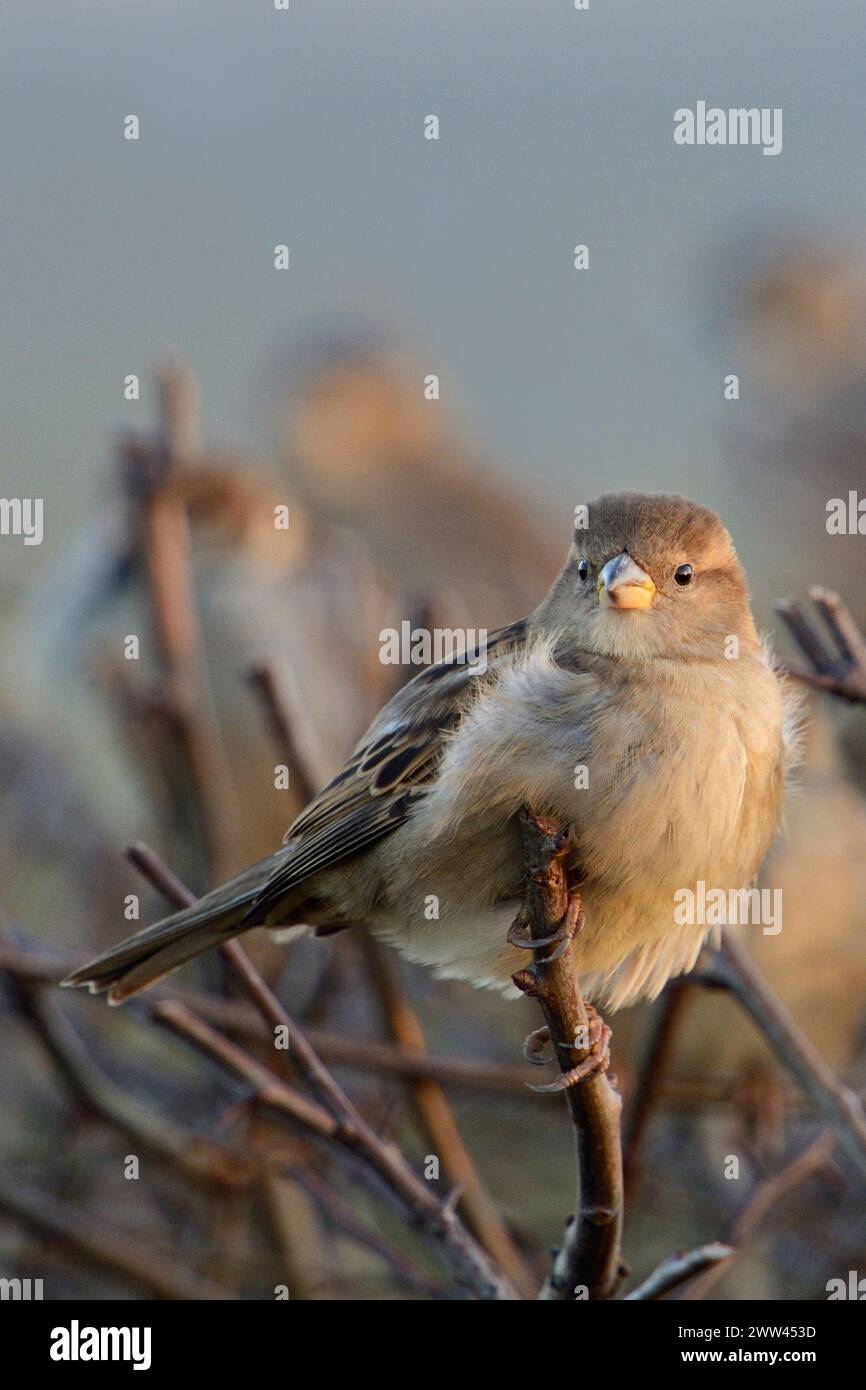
623	584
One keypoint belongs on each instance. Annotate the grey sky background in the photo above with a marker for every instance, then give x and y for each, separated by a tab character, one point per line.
259	127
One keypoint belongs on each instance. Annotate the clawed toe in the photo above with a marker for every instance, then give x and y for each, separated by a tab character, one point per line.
533	1047
518	935
561	939
574	920
596	1060
590	1066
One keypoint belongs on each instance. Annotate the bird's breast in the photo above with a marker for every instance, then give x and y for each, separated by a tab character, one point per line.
685	781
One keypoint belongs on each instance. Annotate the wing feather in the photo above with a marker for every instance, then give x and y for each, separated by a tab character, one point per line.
386	773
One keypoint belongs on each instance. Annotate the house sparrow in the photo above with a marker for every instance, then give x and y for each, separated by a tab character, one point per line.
636	705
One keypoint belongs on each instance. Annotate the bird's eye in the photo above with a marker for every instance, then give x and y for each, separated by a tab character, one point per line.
583	568
684	574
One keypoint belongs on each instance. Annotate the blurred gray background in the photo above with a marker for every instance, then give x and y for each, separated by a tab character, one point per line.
259	127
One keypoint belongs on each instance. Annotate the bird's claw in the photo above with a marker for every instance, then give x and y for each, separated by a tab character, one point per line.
574	920
561	939
533	1047
596	1060
518	935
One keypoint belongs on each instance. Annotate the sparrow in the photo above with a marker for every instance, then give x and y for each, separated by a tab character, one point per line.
636	705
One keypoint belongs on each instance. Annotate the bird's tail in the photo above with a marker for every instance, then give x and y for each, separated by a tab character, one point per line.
143	959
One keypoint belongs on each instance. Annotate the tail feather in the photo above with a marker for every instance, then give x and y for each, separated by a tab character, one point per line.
143	959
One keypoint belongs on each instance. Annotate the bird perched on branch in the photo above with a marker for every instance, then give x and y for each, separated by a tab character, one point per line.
636	704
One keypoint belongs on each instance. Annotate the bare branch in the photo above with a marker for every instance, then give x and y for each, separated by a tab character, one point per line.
816	1158
164	527
679	1269
298	747
306	774
345	1219
341	1121
115	1251
239	1019
651	1072
194	1155
837	665
732	968
590	1253
437	1118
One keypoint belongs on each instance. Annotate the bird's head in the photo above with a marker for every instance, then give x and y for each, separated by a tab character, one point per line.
651	575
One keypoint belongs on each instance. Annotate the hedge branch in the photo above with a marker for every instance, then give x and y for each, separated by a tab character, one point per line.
732	968
240	1019
589	1257
115	1251
332	1115
837	658
679	1269
298	745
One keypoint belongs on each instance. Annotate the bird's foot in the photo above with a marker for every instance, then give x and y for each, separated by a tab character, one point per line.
561	939
597	1057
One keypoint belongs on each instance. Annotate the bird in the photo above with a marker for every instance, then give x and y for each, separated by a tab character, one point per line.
637	705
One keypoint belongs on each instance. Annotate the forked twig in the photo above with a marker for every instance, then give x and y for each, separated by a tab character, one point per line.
332	1115
837	660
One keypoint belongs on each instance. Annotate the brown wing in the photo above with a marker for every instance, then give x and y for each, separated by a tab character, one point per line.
386	773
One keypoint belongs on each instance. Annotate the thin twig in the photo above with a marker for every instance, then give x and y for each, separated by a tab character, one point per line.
115	1251
589	1257
304	1245
269	1089
437	1119
314	1071
435	1219
837	660
196	1156
346	1221
468	1261
816	1157
650	1076
238	1018
732	968
298	747
278	699
165	532
680	1268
